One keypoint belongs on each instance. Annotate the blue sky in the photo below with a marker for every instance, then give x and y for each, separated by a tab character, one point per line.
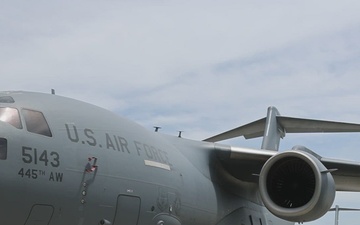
198	66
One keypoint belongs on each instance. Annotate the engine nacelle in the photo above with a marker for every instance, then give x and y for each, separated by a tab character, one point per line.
296	186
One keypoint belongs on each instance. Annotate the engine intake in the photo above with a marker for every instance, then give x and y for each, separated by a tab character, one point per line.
296	186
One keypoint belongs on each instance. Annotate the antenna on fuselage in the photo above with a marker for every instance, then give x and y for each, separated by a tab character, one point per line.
157	128
180	132
52	91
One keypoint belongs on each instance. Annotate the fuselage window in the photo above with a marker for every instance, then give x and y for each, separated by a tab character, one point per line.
10	116
36	122
3	148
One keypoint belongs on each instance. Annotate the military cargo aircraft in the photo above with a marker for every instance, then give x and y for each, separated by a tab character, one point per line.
63	161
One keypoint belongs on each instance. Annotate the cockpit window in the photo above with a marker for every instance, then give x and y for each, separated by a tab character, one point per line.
6	99
10	116
36	123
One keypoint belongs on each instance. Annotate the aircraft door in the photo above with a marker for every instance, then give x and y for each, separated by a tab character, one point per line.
127	210
40	215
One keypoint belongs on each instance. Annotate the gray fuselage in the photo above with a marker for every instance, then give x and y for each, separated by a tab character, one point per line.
95	167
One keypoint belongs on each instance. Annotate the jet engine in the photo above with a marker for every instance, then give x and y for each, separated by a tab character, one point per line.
296	186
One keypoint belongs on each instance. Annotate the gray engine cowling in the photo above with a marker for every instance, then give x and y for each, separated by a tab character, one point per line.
296	186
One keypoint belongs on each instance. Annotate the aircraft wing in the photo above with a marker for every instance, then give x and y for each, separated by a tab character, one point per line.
238	160
347	174
289	125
